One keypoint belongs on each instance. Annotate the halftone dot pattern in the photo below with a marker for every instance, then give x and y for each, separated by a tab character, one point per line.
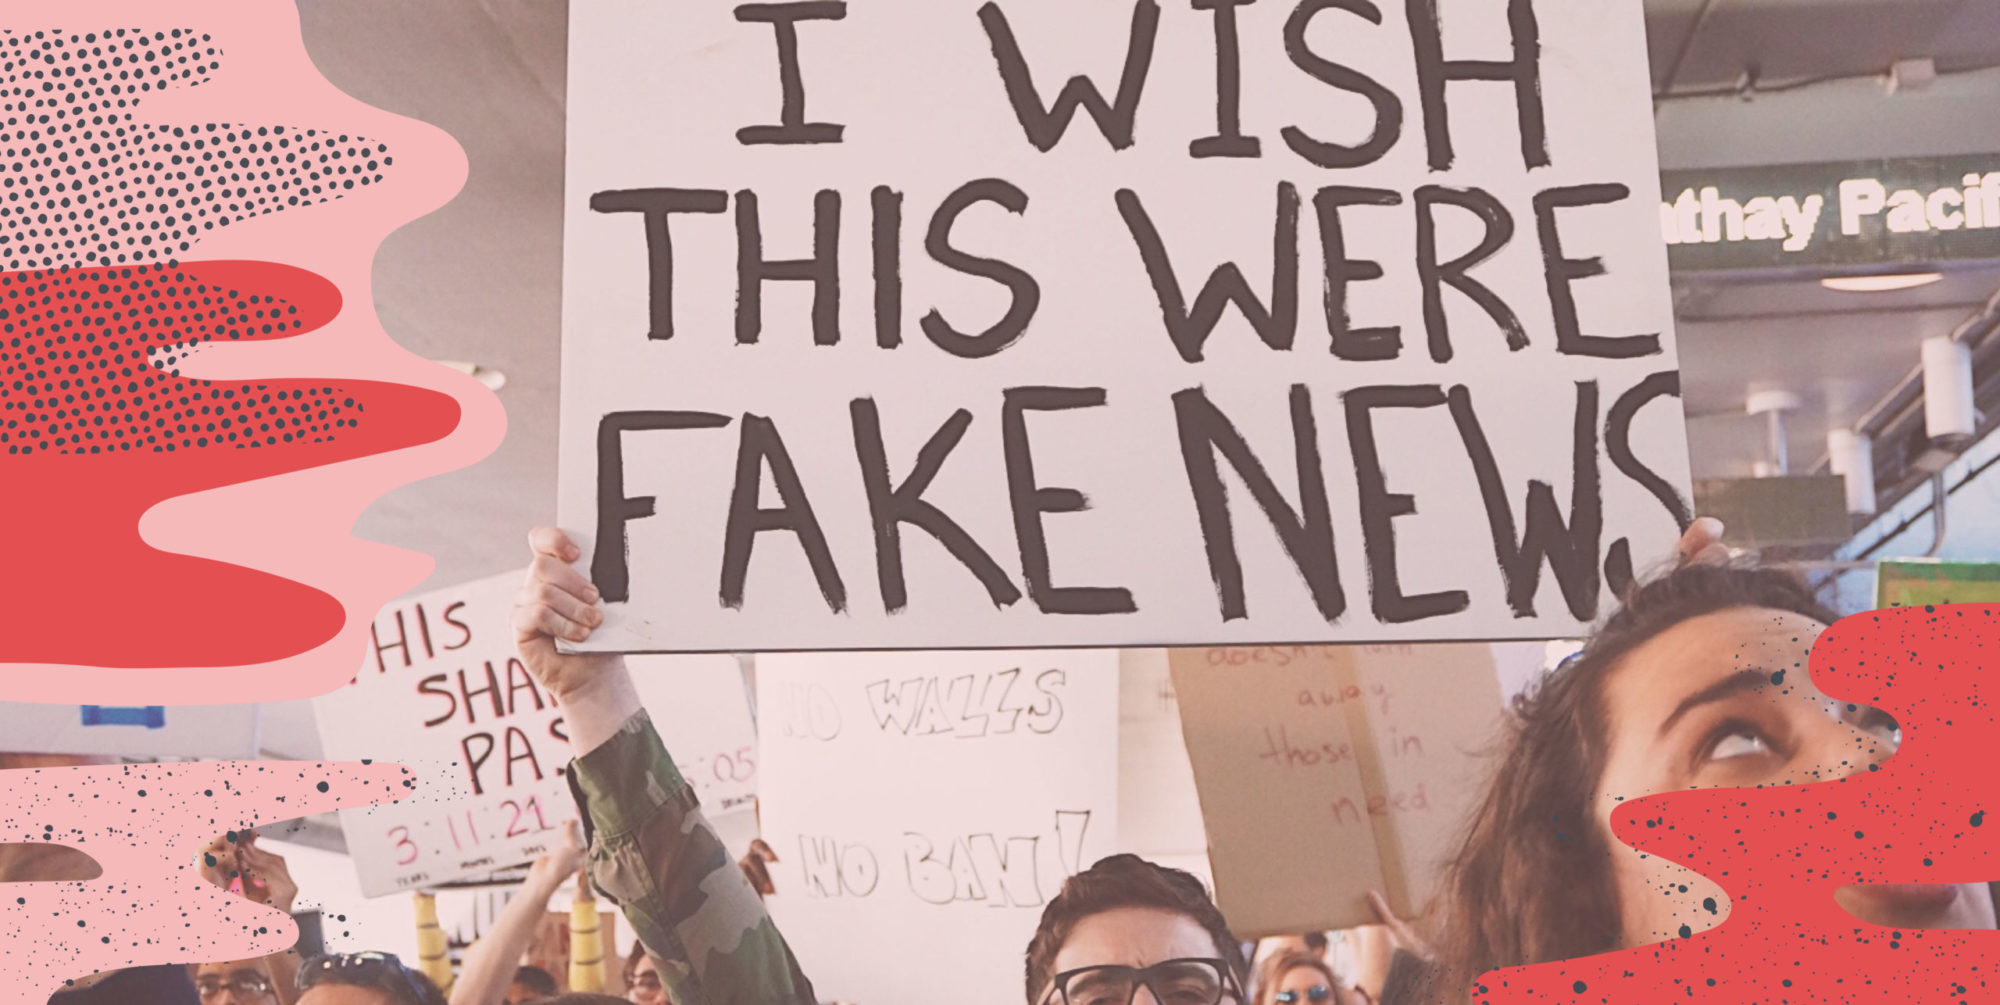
1781	851
89	364
82	184
108	186
146	825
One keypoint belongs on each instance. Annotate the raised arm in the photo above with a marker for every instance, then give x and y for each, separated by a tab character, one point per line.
489	963
268	880
650	848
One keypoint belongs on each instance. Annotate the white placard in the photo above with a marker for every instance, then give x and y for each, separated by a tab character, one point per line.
935	800
930	386
444	694
1159	811
216	732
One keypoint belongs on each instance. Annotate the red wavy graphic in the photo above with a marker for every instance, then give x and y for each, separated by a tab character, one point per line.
123	152
1923	818
97	426
146	824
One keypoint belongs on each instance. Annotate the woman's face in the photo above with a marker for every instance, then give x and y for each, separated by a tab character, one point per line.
1134	937
644	987
1306	986
1725	700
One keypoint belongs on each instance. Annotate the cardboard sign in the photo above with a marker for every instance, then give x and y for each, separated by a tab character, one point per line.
1354	766
935	800
444	694
215	732
1918	582
955	323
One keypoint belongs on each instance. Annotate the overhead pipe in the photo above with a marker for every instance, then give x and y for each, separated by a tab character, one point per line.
1908	393
1853	459
1772	405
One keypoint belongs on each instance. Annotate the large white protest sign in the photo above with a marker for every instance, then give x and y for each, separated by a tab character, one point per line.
444	694
941	323
933	801
140	731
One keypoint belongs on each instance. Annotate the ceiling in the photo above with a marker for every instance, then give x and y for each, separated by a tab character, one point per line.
479	280
1707	45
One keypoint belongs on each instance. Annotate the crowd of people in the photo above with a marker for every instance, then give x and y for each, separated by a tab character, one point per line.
1698	679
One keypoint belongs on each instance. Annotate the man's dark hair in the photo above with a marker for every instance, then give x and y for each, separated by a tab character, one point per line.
408	985
428	993
537	980
1118	882
584	998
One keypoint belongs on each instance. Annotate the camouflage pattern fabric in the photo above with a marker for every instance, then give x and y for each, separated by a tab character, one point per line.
653	853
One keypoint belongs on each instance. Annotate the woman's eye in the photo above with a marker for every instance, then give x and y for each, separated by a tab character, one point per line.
1738	743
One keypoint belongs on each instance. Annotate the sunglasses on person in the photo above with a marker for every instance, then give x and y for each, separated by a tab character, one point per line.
1172	982
1316	993
381	971
243	982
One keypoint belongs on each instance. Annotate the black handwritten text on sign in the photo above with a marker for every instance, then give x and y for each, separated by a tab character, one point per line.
941	323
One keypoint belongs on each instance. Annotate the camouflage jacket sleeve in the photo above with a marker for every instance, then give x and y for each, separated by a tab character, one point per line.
686	899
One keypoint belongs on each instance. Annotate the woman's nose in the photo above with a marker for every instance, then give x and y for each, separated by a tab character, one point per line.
1841	749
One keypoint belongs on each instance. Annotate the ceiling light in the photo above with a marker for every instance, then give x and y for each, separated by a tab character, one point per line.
493	379
1881	284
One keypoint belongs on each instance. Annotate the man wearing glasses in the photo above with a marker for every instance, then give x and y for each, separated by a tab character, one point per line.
237	982
1128	932
1124	932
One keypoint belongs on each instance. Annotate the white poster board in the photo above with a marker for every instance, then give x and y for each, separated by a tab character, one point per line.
444	694
879	353
214	732
933	800
1159	812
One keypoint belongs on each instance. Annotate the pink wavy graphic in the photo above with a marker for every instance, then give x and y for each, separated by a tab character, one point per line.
145	825
1928	816
196	401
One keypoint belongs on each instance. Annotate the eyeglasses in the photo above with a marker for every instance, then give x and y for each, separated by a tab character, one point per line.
1316	993
243	982
382	971
1172	982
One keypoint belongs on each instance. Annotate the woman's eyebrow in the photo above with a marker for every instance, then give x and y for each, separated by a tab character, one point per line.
1734	684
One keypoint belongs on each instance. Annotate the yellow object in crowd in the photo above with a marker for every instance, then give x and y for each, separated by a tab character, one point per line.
586	941
432	958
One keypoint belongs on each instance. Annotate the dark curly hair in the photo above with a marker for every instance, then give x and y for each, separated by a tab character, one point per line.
1118	882
537	980
384	973
1532	881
